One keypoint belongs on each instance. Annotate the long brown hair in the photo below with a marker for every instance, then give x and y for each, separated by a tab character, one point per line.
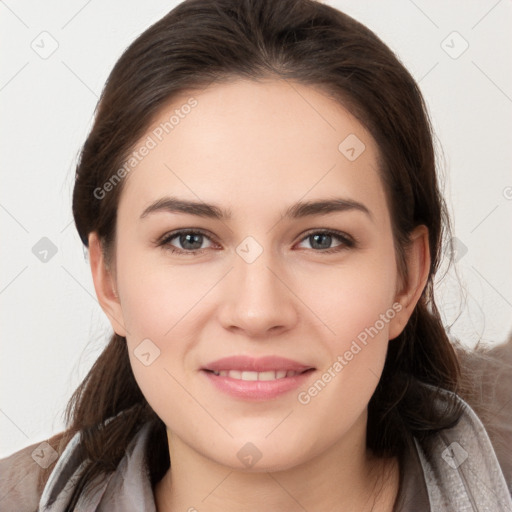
208	41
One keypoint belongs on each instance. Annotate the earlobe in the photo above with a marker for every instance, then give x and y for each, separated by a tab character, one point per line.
418	269
105	286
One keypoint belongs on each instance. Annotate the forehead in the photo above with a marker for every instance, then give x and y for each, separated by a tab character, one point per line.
250	144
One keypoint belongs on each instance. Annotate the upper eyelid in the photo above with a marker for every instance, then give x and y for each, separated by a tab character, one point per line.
173	234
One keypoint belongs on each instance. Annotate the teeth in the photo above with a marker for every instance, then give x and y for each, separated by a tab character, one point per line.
268	375
252	376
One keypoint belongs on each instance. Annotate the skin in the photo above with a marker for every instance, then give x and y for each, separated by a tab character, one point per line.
256	148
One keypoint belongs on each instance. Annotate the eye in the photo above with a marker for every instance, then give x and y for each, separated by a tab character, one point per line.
323	239
190	241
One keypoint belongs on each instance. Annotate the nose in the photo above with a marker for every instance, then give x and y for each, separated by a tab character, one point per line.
258	298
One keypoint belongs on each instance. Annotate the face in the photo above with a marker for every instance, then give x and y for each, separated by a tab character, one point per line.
302	299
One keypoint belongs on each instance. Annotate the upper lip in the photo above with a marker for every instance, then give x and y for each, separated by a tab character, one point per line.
256	364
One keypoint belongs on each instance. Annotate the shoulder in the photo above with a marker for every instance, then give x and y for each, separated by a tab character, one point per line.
44	475
460	466
487	388
20	478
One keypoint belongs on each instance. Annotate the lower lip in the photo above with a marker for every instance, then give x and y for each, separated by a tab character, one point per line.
257	389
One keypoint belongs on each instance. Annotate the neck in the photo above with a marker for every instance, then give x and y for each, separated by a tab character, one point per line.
344	477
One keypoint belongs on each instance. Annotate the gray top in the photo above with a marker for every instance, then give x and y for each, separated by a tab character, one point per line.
461	474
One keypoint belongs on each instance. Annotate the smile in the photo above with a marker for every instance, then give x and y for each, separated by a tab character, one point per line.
253	376
256	386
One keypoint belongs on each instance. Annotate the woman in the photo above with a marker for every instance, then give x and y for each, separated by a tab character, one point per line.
258	195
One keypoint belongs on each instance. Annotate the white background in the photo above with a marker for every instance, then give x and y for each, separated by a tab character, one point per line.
52	326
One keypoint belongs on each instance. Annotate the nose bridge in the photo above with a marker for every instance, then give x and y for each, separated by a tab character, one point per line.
259	300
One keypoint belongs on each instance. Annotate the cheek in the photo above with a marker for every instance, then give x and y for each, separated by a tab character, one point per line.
160	322
355	304
350	297
162	305
355	357
156	296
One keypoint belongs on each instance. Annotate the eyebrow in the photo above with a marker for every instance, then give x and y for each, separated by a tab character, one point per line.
295	211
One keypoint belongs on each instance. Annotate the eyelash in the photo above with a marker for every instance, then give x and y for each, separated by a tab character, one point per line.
347	242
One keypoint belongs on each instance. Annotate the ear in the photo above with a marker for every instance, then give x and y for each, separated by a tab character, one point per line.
418	268
105	285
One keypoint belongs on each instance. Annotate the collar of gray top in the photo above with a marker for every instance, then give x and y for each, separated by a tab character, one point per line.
456	470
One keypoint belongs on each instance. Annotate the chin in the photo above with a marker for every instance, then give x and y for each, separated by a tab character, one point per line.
259	456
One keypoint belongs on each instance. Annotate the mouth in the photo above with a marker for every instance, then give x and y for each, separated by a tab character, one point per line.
256	379
258	376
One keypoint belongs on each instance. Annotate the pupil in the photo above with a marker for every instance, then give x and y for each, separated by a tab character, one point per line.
187	239
326	238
